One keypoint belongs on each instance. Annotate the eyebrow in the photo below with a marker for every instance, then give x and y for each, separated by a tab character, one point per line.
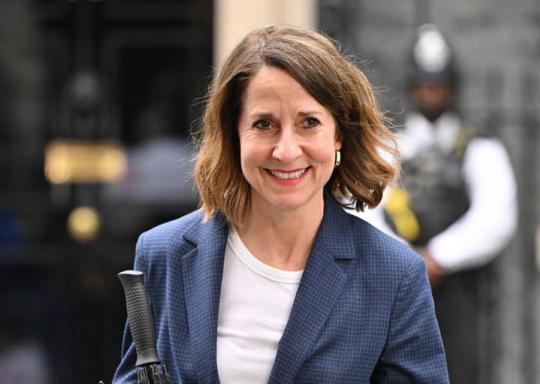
262	115
309	113
270	115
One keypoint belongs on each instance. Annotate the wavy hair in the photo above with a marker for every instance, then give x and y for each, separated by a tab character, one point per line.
329	77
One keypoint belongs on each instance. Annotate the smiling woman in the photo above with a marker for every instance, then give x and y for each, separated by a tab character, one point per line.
272	281
324	75
287	145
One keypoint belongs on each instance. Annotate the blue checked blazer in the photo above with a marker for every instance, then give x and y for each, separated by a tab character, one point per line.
363	312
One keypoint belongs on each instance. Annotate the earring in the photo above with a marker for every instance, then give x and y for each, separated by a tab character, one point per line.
338	158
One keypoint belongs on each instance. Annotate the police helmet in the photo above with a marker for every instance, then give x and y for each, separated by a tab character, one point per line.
431	59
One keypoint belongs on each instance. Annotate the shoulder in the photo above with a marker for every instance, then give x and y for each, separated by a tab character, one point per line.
173	231
381	253
386	269
486	151
375	253
490	143
177	236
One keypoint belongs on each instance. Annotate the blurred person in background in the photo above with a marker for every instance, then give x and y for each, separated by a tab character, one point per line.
272	281
455	200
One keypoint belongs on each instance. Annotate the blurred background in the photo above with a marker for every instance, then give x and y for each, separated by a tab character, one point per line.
97	99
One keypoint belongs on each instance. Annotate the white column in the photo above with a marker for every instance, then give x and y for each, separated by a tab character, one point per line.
234	18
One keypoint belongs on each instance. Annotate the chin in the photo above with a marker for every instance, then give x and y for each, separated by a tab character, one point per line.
291	203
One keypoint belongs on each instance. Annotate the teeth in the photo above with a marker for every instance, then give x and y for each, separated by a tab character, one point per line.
288	175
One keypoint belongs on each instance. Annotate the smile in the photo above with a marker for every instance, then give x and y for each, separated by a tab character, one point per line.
288	175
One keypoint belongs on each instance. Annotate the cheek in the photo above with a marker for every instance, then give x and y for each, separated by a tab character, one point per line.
245	147
322	155
251	154
325	151
329	153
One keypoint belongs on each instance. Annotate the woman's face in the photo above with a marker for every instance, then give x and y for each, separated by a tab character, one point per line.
287	143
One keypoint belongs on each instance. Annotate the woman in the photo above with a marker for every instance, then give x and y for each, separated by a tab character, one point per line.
271	281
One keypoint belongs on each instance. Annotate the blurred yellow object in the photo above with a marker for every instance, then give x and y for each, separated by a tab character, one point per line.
405	221
84	161
84	223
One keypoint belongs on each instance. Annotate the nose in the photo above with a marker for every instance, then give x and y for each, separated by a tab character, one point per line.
288	146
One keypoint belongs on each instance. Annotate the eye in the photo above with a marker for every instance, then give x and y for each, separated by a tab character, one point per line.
311	122
262	124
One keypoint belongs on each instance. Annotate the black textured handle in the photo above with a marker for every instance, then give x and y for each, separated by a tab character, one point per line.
140	318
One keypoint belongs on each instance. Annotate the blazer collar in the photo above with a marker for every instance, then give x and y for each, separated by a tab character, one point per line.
319	290
335	233
202	270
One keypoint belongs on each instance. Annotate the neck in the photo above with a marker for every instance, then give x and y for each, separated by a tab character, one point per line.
281	239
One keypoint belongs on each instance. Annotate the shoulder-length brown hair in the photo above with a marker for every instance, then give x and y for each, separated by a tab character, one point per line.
337	84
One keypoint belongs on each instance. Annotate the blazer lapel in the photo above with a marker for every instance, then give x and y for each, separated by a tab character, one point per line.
319	290
202	271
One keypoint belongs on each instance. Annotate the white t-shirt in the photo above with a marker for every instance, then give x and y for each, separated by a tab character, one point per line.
255	303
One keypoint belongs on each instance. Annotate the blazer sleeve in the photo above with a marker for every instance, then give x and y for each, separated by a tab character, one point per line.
126	373
414	351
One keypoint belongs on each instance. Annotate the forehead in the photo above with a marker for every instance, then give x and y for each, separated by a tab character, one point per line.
274	84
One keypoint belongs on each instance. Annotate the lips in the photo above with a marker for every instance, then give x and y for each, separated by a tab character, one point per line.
288	175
